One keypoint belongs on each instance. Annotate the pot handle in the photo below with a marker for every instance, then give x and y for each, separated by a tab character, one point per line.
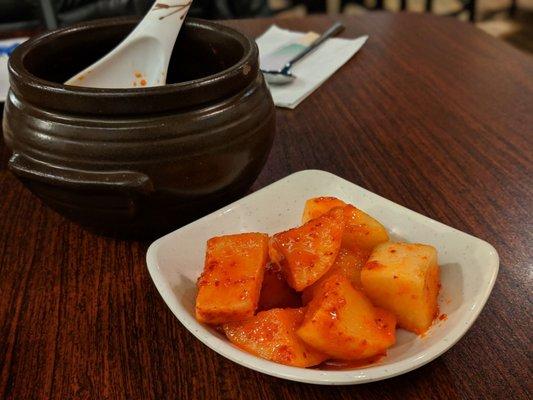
122	181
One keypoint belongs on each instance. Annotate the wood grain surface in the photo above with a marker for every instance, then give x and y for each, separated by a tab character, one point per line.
432	114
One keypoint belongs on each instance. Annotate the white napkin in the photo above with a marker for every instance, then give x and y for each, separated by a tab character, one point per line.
4	76
313	69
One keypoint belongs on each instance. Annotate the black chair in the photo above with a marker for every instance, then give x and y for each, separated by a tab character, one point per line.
228	9
312	6
466	5
30	14
319	6
378	6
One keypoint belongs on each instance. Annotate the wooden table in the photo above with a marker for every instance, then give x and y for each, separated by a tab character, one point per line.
431	113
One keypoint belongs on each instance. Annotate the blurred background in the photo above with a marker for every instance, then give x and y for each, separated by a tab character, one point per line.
509	20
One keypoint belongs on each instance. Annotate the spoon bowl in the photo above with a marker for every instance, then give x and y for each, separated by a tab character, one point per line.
279	77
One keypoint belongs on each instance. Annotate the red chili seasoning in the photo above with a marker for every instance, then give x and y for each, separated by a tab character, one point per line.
372	265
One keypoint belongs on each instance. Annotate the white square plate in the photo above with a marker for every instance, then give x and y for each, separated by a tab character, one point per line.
468	270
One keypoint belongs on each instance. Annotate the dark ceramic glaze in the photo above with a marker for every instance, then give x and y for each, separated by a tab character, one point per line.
138	161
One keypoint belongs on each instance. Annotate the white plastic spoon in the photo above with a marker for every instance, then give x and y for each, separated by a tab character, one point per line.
140	60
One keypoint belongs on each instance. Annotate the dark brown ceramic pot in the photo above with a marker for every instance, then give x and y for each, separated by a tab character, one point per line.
138	161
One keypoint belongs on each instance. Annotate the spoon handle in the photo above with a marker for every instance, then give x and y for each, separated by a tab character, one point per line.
332	31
